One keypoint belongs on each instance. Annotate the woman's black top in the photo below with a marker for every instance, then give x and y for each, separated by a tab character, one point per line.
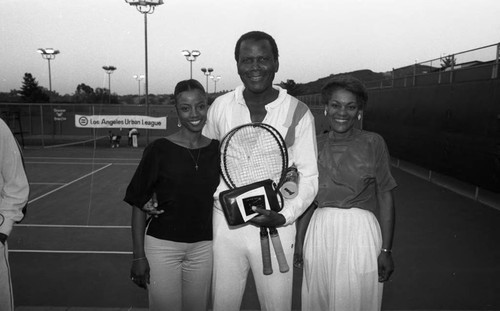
184	192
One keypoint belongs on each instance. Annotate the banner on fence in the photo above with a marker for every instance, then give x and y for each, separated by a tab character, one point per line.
120	121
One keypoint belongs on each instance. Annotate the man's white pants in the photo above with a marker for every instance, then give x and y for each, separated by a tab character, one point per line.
236	250
6	296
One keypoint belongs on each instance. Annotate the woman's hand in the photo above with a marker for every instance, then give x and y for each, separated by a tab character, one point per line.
387	220
151	207
298	253
302	223
139	273
385	266
298	260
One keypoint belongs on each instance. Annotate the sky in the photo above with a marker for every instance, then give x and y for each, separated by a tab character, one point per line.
316	38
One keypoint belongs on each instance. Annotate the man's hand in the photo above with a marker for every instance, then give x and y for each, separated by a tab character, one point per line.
151	207
3	238
267	218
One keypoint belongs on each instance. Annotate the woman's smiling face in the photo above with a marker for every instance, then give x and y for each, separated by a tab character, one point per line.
342	111
192	109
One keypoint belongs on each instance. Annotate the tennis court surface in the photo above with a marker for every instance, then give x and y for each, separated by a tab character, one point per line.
73	249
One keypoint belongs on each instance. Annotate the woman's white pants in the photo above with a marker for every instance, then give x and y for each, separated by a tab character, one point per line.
180	273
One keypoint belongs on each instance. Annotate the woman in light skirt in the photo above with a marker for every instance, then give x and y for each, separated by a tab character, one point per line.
347	250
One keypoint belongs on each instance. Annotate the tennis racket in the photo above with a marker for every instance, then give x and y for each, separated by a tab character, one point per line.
251	153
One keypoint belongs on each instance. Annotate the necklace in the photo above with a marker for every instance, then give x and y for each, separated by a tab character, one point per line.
197	158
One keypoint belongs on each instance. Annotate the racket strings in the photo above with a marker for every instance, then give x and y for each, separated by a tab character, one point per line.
253	154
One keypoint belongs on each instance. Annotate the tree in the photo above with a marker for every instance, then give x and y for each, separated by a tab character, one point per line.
448	61
84	94
31	91
290	86
100	94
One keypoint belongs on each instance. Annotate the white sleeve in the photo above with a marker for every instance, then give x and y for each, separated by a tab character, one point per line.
15	187
305	155
210	129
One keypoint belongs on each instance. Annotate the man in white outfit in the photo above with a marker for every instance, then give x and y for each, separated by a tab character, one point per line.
237	249
14	191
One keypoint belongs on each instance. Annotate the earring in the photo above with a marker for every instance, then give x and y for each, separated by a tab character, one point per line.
325	112
359	116
178	123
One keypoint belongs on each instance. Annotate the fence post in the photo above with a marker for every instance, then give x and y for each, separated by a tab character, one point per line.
415	73
41	126
30	120
452	66
494	74
94	132
392	77
92	113
441	68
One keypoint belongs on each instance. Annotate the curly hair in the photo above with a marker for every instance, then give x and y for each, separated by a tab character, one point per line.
348	83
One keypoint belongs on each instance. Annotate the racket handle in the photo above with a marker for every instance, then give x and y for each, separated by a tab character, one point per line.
266	252
278	249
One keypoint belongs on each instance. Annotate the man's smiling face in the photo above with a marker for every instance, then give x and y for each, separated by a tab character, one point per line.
257	65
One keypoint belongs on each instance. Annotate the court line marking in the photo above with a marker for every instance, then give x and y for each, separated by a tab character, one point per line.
69	163
69	252
67	184
82	163
73	226
89	159
46	183
75	143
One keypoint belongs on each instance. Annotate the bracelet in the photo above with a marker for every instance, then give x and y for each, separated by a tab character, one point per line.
137	259
386	250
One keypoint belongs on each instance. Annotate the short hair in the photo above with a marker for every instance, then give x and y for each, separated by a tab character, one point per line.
348	83
256	36
188	85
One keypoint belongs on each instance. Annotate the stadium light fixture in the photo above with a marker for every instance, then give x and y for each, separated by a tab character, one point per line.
207	72
109	70
191	57
48	54
215	79
145	7
139	78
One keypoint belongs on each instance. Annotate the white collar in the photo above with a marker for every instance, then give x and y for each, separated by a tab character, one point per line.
275	103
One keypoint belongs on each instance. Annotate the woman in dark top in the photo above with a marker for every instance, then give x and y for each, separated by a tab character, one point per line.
173	250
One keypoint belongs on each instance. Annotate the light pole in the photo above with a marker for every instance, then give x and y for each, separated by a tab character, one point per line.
139	78
207	72
48	54
191	57
109	70
145	7
216	79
